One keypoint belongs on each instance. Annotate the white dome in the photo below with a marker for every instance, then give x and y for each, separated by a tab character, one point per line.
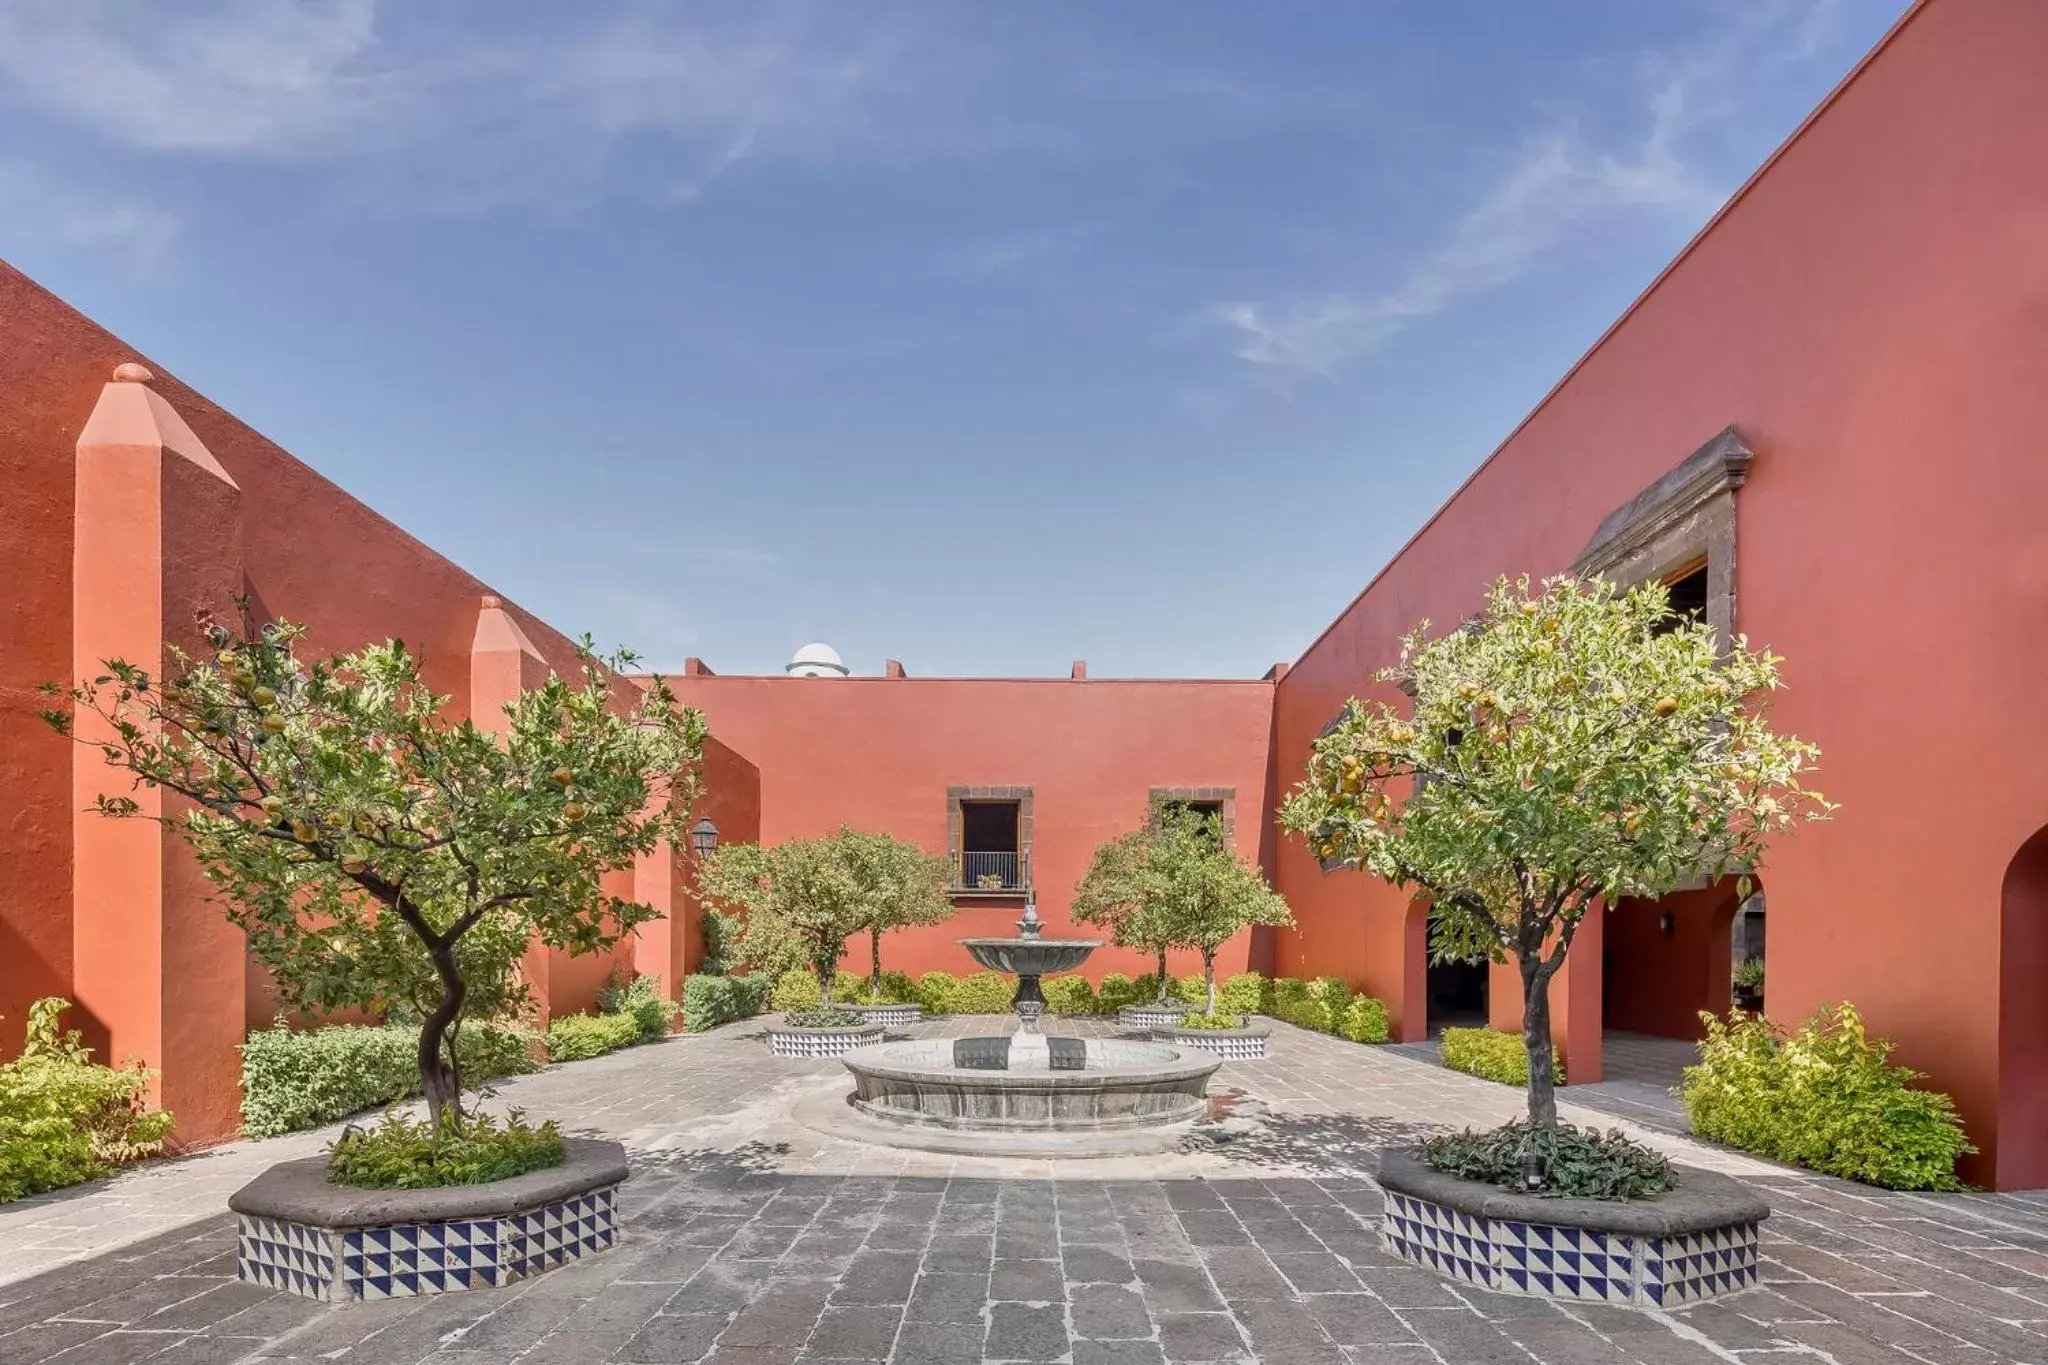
816	660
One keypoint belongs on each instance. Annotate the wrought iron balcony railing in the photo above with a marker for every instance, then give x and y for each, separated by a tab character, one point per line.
989	872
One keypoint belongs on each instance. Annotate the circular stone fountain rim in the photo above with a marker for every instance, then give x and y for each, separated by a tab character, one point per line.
867	1060
1031	942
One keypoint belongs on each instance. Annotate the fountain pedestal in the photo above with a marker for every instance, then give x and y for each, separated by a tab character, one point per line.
1028	957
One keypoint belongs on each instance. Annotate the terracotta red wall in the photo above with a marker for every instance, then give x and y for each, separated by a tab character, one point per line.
310	552
1872	311
1659	983
879	753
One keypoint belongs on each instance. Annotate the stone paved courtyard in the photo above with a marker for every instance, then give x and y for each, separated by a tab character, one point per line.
752	1241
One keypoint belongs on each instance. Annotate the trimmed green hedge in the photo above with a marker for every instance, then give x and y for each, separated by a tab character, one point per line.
1825	1097
978	993
1118	990
1493	1055
642	998
579	1037
293	1080
1365	1020
797	989
1070	995
709	1001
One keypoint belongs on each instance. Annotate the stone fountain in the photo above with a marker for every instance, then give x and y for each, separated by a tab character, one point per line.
1050	1091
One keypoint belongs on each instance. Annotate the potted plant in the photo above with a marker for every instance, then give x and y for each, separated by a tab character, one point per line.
1573	746
1749	985
376	852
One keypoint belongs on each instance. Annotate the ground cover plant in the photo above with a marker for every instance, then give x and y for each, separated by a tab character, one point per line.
64	1118
1574	745
378	855
824	1016
1825	1096
1580	1163
404	1153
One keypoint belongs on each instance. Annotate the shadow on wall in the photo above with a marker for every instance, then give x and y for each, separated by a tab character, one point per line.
2020	1155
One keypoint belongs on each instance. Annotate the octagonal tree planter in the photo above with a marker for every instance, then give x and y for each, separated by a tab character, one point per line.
1151	1016
888	1016
300	1232
1696	1242
787	1040
1246	1043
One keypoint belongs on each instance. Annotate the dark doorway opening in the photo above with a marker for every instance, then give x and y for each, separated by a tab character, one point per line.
1688	598
1456	994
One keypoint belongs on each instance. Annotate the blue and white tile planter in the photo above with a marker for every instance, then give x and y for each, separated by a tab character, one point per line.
1151	1016
785	1041
889	1016
1696	1243
300	1233
1247	1044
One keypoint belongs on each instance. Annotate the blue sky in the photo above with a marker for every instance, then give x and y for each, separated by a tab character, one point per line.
983	336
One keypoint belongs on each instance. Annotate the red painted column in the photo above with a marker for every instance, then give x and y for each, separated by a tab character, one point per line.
158	971
503	663
1575	1005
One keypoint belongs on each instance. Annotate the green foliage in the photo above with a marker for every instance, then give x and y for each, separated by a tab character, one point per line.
984	993
63	1117
823	1016
1492	1055
1191	989
709	1001
402	1153
721	934
795	989
1573	744
1826	1097
641	997
1069	995
1319	1004
373	851
935	992
1246	993
1579	1163
1749	974
578	1037
890	988
1211	1021
1365	1020
293	1079
1176	883
1117	990
803	898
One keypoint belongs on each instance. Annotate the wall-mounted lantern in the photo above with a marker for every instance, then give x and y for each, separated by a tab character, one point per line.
704	837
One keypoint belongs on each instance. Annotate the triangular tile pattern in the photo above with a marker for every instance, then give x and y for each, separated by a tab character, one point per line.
1231	1048
425	1258
824	1043
1570	1263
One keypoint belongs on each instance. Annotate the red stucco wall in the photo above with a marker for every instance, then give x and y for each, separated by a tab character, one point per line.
1872	312
879	753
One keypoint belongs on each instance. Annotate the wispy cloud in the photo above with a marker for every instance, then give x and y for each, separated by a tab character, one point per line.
537	109
1560	179
39	209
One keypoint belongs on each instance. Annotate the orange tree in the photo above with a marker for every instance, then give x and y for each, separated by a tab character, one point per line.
376	852
1573	745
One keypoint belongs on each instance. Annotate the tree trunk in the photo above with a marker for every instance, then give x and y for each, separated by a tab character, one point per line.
1164	979
875	963
825	969
1209	976
440	1078
1536	974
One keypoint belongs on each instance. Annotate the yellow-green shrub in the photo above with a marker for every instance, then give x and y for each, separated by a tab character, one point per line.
301	1078
1317	1004
1492	1055
797	989
984	993
1069	995
1117	990
65	1118
575	1037
1826	1097
1245	993
1365	1020
892	988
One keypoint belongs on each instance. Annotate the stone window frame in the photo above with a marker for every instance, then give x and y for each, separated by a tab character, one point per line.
1159	796
955	796
1687	516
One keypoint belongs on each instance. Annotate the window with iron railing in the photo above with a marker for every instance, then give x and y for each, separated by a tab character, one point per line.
991	852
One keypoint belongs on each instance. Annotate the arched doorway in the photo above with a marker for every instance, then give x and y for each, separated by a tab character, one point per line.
1456	995
2022	1151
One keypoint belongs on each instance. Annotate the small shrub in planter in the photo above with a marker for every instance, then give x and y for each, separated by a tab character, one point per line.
1826	1097
578	1037
890	988
1492	1055
1211	1022
709	1001
1579	1163
402	1153
824	1017
1069	995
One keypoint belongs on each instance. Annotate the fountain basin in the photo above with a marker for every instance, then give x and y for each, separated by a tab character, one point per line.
1121	1085
1023	957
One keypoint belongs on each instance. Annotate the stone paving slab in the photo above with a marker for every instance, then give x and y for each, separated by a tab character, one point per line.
749	1242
